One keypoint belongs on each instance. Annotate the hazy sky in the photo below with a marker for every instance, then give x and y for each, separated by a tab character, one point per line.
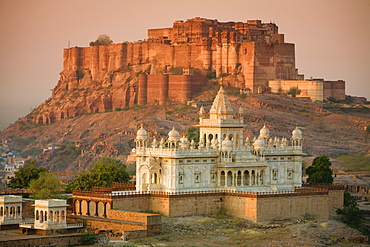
331	37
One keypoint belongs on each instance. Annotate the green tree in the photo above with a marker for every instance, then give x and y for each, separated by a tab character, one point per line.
294	91
351	215
46	186
176	71
102	39
103	173
320	171
23	177
192	133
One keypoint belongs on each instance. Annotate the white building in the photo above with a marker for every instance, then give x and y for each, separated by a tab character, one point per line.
10	210
222	160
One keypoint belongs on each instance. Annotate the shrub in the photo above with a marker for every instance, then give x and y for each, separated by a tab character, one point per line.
88	238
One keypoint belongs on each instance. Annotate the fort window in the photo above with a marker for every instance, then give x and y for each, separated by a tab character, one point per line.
274	158
181	161
289	158
181	179
281	158
267	158
213	160
204	160
188	161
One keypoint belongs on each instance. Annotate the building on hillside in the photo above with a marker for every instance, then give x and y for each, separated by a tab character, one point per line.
223	160
316	89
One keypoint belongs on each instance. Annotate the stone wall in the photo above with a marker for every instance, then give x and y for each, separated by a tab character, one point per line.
292	207
335	89
68	240
315	89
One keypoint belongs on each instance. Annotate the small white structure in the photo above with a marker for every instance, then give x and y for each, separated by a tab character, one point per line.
10	210
223	159
50	214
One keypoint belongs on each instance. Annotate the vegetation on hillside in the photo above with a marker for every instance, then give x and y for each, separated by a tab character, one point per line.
294	91
351	215
65	154
103	173
355	162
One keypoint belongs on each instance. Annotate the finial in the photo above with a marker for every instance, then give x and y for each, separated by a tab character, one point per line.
221	82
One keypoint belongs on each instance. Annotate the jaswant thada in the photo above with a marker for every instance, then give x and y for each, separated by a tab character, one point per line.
223	160
259	179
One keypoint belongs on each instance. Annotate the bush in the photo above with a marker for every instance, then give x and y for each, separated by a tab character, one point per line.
211	75
88	238
175	71
31	152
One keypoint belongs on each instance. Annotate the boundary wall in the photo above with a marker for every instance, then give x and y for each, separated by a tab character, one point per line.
255	206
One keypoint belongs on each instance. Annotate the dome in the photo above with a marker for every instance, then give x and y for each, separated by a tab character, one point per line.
227	145
297	134
259	144
141	134
173	135
264	132
184	140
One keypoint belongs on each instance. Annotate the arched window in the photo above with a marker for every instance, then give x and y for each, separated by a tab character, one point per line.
262	177
63	216
1	211
222	178
56	216
239	179
51	216
37	215
41	216
246	177
18	211
229	178
253	182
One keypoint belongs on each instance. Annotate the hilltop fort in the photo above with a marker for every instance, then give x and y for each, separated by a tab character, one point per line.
173	63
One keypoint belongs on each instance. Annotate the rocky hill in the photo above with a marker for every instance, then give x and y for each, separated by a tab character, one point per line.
112	133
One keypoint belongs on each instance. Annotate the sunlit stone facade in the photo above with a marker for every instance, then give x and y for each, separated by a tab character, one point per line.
222	160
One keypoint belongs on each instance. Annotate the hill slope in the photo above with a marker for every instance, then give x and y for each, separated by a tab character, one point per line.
113	133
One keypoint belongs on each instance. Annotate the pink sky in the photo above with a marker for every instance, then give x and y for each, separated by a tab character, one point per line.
331	37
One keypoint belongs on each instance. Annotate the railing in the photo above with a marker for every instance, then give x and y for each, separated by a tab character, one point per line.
75	225
324	186
298	191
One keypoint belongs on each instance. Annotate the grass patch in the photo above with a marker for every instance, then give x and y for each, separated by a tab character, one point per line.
355	162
